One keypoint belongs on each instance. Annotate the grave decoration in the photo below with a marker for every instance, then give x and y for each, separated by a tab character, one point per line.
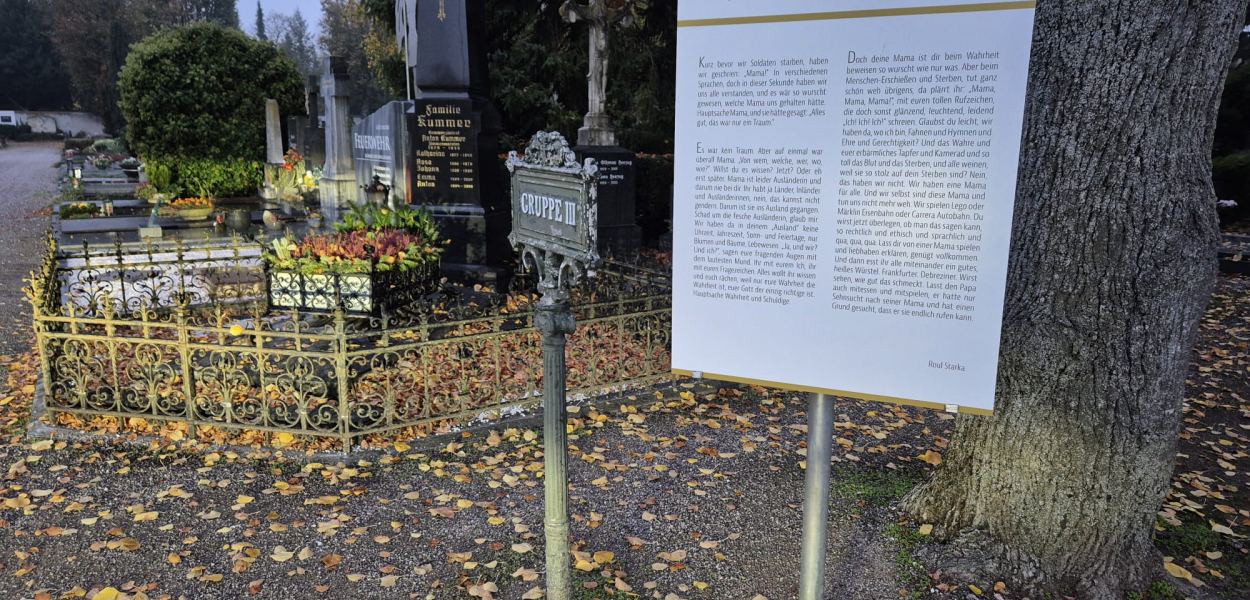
377	258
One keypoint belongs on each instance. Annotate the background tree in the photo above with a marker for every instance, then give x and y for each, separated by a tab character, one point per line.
344	26
92	39
260	22
538	69
30	67
291	34
199	91
222	12
1111	267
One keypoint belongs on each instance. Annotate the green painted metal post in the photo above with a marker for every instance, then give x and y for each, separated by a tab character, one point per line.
816	496
553	318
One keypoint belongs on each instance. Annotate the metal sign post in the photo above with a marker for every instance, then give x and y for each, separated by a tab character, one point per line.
554	216
816	496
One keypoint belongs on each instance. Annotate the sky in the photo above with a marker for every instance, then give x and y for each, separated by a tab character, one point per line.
311	9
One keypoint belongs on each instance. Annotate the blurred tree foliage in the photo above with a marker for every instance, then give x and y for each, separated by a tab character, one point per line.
349	32
199	91
31	71
538	66
93	38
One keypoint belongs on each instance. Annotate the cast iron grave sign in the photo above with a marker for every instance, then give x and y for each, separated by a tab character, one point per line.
554	215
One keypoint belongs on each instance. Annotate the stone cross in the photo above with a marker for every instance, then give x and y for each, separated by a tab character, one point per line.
602	15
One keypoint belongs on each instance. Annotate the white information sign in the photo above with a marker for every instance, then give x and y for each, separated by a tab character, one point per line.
845	175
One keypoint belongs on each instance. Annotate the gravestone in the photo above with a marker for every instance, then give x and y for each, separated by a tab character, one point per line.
338	178
453	128
273	133
618	229
380	148
306	133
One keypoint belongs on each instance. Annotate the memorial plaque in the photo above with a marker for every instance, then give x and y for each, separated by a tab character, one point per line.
554	204
844	192
380	148
444	138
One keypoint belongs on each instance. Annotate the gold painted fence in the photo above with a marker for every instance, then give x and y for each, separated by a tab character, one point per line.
178	333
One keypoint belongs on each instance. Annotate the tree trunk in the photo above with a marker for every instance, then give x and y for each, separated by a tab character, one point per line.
1112	262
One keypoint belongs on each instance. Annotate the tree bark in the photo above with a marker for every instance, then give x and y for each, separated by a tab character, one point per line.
1112	263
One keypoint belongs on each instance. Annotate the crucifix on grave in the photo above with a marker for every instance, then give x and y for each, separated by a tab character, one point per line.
619	233
601	16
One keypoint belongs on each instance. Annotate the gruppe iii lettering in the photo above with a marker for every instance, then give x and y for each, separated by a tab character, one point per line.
547	207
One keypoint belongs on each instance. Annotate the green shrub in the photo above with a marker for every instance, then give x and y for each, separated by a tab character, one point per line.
206	177
200	91
19	133
78	144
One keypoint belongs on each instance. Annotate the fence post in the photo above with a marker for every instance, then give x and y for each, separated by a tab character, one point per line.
340	374
184	352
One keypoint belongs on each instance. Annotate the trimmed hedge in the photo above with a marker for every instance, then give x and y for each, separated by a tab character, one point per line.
200	91
216	178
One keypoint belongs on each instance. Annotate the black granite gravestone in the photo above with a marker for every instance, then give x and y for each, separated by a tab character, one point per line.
619	233
454	128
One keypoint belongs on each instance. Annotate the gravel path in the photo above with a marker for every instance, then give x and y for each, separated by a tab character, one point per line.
690	496
28	185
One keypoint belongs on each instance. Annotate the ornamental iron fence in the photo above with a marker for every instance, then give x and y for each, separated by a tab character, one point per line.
173	332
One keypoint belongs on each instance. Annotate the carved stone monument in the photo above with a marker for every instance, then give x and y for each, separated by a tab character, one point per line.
453	128
618	229
338	178
273	132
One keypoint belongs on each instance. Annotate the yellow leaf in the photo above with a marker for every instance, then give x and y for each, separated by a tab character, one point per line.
147	516
281	554
108	593
390	581
604	557
522	548
926	529
584	565
402	447
976	590
496	520
1178	571
931	457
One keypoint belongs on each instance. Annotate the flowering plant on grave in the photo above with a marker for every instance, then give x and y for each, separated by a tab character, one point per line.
354	252
287	181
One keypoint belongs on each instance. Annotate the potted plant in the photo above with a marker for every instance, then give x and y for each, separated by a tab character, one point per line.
363	266
130	167
102	162
159	187
79	210
195	208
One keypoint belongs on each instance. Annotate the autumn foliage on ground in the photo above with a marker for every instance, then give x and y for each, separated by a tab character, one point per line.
692	492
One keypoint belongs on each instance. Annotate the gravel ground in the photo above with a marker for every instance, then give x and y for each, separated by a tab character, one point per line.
28	185
695	495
